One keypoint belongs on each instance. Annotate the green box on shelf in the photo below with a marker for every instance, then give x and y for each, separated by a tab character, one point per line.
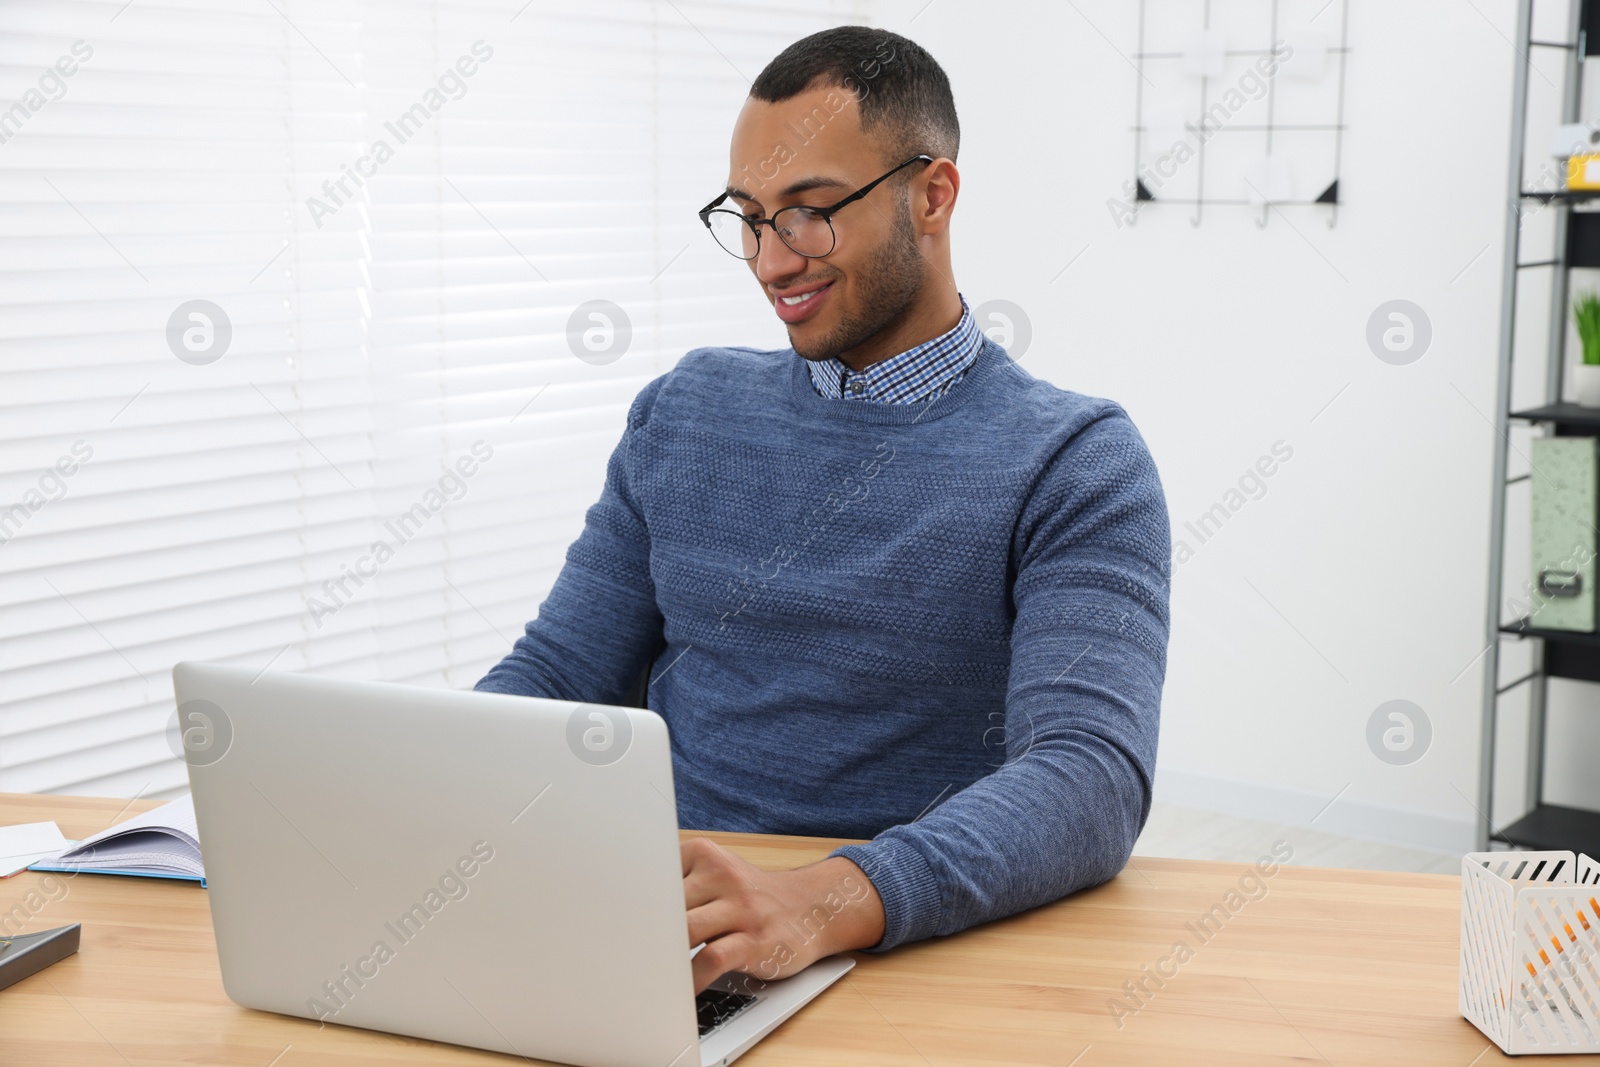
1566	482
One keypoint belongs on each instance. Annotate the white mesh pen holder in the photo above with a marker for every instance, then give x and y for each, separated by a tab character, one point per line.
1530	950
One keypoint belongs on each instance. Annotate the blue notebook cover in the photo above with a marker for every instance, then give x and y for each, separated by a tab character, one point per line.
43	866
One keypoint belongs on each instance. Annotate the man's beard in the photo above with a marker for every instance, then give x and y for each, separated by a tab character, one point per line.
888	284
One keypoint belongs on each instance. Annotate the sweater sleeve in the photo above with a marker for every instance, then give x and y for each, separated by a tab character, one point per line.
600	624
1088	659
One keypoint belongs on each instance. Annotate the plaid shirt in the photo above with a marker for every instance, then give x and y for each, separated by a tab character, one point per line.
925	372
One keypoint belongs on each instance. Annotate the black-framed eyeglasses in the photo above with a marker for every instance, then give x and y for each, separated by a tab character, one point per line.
806	230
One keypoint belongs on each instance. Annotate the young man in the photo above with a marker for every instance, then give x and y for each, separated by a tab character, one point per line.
887	584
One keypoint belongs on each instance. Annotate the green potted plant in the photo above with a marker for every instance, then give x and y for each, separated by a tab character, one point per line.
1586	375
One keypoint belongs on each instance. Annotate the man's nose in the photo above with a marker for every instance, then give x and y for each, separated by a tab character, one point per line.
776	261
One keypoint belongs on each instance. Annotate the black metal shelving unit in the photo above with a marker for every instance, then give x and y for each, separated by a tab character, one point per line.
1575	242
1566	655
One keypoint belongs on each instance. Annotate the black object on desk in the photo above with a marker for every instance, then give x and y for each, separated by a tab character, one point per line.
25	954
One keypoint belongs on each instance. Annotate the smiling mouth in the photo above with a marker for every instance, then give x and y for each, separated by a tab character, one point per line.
796	308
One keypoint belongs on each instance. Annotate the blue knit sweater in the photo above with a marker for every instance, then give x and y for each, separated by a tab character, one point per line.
941	626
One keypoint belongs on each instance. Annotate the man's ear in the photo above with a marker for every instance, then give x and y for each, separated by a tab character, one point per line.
936	199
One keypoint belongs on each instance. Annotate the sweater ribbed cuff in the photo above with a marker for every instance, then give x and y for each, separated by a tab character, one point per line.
906	885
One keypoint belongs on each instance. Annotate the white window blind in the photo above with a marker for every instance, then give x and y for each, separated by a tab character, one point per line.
380	475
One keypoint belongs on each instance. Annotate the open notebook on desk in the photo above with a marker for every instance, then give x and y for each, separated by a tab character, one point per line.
161	843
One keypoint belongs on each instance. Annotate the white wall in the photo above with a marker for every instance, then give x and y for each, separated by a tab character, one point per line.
1359	577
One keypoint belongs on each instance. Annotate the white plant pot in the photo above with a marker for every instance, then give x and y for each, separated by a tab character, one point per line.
1586	380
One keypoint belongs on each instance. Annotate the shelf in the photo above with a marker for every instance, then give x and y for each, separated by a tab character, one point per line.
1520	628
1566	654
1565	416
1552	828
1563	196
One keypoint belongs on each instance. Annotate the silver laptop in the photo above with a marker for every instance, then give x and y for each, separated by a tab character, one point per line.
486	870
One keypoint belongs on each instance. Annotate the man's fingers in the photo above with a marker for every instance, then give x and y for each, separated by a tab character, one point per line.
699	850
714	919
708	874
727	913
702	886
736	952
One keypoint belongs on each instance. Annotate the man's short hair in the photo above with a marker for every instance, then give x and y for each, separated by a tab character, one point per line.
901	88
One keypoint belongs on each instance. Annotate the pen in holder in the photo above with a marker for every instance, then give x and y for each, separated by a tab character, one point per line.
1530	950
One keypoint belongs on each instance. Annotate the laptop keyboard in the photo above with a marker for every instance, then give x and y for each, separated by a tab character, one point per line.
715	1007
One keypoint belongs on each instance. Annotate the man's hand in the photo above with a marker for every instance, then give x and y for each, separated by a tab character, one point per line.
771	924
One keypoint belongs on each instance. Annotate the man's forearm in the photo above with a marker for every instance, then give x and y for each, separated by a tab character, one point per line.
982	856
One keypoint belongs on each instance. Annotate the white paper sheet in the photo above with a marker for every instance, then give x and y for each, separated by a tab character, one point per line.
28	842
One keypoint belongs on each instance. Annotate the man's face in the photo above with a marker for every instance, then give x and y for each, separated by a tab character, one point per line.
810	151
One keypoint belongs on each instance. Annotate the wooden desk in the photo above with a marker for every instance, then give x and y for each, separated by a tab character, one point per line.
1344	967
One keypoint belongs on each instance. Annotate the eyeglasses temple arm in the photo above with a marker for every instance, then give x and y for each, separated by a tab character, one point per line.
703	212
827	212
